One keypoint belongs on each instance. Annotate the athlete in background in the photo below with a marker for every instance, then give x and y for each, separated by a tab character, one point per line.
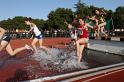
38	35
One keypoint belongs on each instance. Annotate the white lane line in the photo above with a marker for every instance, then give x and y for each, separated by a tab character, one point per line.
103	75
92	74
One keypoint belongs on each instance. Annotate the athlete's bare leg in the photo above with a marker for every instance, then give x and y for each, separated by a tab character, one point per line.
35	40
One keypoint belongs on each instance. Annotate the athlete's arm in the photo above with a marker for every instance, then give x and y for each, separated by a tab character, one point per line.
92	18
103	12
2	32
88	25
31	28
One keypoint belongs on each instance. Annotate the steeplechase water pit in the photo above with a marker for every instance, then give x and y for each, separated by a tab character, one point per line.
60	64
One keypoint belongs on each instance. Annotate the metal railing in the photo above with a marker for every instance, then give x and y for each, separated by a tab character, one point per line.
25	35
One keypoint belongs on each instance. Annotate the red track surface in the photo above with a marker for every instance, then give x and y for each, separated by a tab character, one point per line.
47	42
113	76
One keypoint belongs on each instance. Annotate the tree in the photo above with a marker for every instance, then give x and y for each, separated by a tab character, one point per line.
82	9
119	17
56	18
18	23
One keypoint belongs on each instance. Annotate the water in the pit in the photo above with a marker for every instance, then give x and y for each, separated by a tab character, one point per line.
62	61
59	59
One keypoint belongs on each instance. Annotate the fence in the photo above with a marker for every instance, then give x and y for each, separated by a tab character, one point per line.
25	35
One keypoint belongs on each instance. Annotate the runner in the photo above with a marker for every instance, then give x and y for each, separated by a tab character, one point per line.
93	26
80	43
75	32
100	22
5	43
38	35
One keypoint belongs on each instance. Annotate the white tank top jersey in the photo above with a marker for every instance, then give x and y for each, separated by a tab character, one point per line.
36	30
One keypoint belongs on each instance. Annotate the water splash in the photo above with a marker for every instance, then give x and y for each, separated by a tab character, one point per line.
58	60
